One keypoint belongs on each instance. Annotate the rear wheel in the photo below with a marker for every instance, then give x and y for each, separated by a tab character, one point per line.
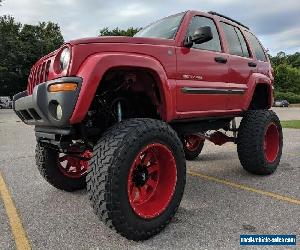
259	142
192	145
63	171
137	177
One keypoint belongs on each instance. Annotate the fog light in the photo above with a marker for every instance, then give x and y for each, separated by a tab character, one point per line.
59	112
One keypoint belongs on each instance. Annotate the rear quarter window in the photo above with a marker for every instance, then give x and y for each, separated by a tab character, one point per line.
256	46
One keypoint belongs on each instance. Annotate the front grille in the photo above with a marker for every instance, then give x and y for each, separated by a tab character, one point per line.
38	75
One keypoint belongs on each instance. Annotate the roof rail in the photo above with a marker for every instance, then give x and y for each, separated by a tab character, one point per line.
217	14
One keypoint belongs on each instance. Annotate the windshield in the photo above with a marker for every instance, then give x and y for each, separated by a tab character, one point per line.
164	28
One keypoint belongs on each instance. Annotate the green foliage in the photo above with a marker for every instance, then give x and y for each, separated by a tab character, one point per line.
281	58
20	47
291	124
118	32
287	76
291	97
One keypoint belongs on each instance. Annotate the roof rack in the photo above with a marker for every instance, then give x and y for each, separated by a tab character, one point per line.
217	14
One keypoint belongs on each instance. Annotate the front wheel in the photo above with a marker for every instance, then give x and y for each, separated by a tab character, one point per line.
137	176
259	142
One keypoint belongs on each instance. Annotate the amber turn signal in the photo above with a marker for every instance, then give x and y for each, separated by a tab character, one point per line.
57	87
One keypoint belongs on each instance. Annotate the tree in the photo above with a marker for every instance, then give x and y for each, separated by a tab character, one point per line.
119	32
9	53
20	47
282	58
287	76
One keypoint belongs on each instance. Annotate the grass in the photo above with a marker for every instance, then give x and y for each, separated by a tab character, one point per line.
291	124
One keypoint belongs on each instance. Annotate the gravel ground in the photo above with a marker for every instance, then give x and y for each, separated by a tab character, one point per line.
211	215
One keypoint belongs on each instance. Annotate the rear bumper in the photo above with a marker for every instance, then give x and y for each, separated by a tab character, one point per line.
39	109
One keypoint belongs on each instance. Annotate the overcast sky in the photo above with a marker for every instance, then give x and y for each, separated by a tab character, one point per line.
277	23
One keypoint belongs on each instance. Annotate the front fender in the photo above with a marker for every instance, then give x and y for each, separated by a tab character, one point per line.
255	79
94	67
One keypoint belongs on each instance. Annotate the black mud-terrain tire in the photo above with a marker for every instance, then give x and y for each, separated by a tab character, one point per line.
47	164
108	174
192	154
250	141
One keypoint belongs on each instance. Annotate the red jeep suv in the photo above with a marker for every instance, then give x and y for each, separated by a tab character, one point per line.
120	115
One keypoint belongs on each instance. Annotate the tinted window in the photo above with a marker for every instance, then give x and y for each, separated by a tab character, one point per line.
200	21
242	42
257	48
236	42
164	28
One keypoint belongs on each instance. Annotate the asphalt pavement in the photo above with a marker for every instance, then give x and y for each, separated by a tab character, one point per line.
221	200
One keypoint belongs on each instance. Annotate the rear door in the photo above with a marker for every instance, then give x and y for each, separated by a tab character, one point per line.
241	65
202	73
263	64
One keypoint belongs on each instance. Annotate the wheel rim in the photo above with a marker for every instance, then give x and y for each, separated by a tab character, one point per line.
271	143
192	142
152	180
74	165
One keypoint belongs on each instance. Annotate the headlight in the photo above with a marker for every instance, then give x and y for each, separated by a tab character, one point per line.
64	60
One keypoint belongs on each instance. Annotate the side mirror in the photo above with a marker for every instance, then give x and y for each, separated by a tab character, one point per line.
201	35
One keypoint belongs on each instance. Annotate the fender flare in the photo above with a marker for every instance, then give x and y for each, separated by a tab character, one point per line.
254	80
94	68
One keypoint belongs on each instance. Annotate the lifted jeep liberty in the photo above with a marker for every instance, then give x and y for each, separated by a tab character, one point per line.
119	115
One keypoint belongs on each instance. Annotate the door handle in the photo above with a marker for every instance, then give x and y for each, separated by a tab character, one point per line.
252	64
220	59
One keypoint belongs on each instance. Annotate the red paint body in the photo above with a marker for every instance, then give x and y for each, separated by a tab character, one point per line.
174	66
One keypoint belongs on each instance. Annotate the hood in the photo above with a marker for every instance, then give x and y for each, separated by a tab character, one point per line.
123	39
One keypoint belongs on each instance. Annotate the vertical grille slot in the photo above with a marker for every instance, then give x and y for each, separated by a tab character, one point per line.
43	72
35	76
47	70
39	74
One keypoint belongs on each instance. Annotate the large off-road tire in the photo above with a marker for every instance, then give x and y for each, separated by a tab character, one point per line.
65	172
192	146
136	177
259	142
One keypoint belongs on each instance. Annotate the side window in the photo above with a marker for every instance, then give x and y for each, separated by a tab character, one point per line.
236	42
200	21
257	48
243	43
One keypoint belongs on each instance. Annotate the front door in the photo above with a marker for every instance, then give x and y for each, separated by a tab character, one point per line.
202	86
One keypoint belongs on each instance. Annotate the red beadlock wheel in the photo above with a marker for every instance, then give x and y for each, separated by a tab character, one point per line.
271	143
259	142
74	165
152	180
192	142
136	177
192	145
63	171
